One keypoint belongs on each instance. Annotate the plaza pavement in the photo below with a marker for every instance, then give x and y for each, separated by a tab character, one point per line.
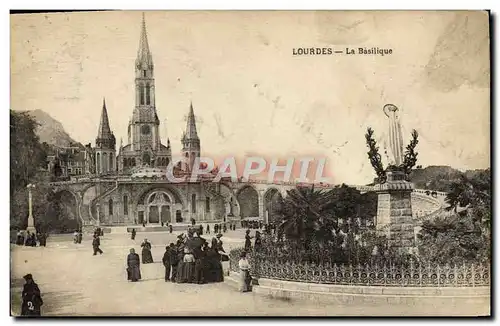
76	283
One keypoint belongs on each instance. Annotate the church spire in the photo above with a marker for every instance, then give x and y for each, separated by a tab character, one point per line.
143	54
104	130
104	135
191	132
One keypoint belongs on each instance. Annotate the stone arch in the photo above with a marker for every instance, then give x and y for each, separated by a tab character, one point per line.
159	204
174	193
248	199
272	199
69	204
231	204
160	207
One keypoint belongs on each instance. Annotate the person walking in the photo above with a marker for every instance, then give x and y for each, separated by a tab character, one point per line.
133	266
132	234
96	243
80	237
32	298
147	257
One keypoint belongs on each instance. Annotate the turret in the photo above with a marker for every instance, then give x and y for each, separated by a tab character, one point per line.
191	146
105	145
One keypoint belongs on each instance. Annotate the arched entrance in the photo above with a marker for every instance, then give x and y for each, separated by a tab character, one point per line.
248	198
159	207
61	214
272	205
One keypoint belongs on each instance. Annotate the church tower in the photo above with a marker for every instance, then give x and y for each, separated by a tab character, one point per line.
105	142
190	141
145	124
145	148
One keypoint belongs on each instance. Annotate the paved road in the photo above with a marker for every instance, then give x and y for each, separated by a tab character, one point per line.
74	282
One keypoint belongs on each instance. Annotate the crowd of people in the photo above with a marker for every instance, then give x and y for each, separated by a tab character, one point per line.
31	239
190	260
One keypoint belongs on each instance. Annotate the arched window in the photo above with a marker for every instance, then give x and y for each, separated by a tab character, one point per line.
98	162
141	94
133	161
193	203
104	162
110	207
125	163
125	205
148	95
207	204
111	166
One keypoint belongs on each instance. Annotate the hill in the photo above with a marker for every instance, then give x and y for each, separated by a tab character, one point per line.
50	130
439	177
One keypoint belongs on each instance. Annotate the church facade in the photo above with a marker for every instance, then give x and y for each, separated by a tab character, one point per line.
129	185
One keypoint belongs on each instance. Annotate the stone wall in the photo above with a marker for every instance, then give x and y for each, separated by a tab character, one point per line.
474	301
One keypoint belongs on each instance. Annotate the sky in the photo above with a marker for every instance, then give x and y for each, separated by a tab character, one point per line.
252	96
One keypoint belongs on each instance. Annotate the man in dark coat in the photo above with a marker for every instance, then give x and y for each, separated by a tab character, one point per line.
43	239
174	257
133	266
167	261
96	242
248	242
33	240
199	265
133	233
27	239
20	238
32	298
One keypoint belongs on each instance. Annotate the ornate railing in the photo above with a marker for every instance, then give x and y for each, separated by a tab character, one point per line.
413	275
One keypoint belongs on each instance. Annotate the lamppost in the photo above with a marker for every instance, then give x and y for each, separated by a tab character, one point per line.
31	221
98	214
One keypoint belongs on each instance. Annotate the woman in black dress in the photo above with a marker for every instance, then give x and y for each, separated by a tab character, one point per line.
32	298
147	257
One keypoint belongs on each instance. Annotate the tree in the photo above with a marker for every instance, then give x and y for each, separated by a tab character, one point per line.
306	216
410	158
454	238
27	155
374	156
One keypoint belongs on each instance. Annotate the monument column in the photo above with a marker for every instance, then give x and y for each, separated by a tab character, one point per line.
394	209
31	220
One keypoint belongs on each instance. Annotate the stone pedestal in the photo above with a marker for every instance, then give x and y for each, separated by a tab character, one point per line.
31	225
394	212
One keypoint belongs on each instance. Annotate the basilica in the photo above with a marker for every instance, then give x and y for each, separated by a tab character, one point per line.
127	185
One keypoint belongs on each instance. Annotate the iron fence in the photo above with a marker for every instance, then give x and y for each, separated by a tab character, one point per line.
412	275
